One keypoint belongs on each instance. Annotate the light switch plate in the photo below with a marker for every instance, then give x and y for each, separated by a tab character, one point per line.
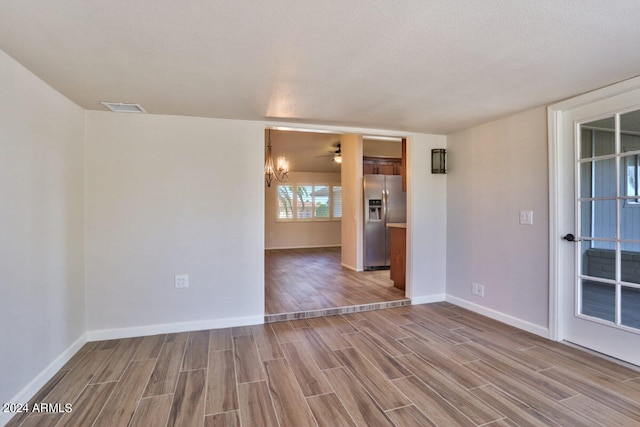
526	217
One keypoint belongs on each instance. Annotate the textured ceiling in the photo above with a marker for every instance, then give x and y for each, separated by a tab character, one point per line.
412	65
306	151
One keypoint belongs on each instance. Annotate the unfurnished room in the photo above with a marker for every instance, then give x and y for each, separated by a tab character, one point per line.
302	213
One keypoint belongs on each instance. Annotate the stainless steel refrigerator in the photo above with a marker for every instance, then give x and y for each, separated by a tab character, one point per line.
384	202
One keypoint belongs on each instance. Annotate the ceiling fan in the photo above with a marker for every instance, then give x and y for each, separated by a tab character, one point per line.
336	154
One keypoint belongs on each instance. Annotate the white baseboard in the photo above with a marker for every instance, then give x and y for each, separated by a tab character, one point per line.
501	317
426	299
303	247
168	328
41	379
350	267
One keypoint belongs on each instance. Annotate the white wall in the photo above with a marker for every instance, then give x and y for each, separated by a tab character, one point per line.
352	216
299	234
42	308
426	221
377	148
495	171
169	195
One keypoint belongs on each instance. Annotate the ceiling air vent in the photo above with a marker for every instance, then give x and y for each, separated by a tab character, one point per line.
120	107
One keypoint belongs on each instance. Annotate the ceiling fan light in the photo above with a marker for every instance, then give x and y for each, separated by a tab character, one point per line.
337	158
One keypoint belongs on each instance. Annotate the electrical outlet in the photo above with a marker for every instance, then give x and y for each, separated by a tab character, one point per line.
182	281
477	289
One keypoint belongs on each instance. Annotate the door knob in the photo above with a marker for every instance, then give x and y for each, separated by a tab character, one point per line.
570	238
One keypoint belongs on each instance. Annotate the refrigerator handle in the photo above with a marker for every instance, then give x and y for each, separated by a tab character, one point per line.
385	202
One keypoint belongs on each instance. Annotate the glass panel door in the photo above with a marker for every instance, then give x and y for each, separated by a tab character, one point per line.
596	221
607	286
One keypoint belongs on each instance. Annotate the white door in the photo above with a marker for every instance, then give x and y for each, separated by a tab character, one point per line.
598	245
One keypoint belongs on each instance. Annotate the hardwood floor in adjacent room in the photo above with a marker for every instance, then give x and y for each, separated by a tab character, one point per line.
313	279
420	365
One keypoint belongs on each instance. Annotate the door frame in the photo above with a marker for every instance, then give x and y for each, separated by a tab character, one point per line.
561	216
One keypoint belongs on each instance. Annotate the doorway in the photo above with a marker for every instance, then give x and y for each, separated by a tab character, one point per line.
595	152
303	267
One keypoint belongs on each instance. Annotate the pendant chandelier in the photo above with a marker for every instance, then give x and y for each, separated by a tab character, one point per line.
280	171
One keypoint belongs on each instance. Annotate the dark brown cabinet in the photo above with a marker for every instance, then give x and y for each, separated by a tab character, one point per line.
381	166
398	256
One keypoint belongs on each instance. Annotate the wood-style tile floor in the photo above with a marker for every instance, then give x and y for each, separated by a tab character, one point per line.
420	365
313	279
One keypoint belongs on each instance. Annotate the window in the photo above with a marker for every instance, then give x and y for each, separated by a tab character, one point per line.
321	201
285	202
304	202
309	202
337	201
